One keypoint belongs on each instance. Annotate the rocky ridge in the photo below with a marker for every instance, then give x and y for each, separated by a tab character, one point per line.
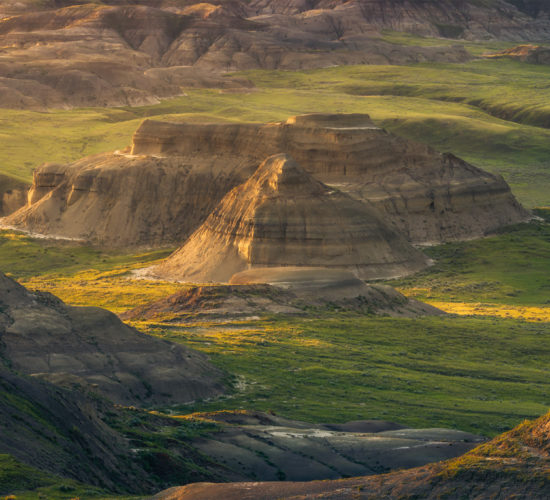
73	53
123	199
91	348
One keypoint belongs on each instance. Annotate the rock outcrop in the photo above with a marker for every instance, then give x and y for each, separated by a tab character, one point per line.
280	290
282	216
269	447
129	52
178	172
430	197
532	54
513	465
122	200
92	348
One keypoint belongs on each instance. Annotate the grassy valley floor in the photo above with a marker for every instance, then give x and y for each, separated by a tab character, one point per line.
481	373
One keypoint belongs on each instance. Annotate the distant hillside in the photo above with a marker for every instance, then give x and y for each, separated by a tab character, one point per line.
513	465
62	54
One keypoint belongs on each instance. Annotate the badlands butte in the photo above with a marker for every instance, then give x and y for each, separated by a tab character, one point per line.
316	190
275	283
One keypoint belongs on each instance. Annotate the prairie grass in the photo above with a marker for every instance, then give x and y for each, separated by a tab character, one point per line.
494	113
509	270
481	373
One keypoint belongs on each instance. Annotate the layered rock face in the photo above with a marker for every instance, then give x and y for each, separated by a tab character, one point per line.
178	173
282	216
444	18
430	197
91	347
122	200
73	53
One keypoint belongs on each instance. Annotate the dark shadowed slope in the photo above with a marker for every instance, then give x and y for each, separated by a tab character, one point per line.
62	431
92	348
513	465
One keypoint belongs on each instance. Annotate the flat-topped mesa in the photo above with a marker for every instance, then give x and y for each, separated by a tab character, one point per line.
282	216
431	197
178	172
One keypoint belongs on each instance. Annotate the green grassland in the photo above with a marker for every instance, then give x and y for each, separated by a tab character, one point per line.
22	482
494	113
482	374
509	268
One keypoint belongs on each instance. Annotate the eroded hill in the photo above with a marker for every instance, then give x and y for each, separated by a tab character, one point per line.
282	216
279	290
92	348
177	173
70	53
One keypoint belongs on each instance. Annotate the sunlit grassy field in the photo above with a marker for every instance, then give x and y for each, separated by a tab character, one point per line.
494	113
500	275
483	369
479	373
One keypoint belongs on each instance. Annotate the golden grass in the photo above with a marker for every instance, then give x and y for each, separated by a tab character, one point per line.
111	290
526	313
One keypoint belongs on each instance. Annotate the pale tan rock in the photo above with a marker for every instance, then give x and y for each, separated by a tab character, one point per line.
282	216
429	196
178	172
123	200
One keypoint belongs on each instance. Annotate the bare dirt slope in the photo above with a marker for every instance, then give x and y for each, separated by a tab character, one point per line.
92	348
282	216
177	173
74	53
513	465
122	200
